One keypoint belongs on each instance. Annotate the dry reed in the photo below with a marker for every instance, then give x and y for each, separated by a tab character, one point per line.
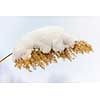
38	58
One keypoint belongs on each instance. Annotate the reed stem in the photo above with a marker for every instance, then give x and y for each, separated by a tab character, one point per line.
5	57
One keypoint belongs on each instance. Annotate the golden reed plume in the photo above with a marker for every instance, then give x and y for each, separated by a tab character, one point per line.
38	58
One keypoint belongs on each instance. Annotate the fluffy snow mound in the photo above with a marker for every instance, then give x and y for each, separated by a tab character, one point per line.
46	38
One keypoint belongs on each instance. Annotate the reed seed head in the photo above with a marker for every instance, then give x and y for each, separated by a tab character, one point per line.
38	58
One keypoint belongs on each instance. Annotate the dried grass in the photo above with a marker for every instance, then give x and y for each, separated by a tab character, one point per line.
38	58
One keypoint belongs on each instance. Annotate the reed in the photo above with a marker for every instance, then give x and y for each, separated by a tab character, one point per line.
44	46
38	58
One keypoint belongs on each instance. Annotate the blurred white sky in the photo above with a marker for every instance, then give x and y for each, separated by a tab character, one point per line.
83	68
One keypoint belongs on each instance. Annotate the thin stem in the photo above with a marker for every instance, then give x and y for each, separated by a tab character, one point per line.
5	57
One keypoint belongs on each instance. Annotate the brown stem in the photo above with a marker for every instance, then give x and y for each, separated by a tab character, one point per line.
5	57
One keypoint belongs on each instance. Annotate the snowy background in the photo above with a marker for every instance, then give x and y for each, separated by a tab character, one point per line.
85	68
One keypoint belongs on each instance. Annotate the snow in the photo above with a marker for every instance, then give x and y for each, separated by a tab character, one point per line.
45	38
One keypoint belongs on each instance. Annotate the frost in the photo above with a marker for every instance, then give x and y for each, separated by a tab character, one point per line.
46	38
